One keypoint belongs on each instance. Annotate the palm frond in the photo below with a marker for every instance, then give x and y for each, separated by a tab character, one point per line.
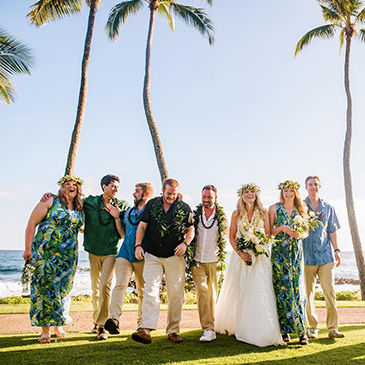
164	9
361	17
360	34
329	4
88	2
195	17
15	57
325	31
342	38
7	91
45	11
330	16
119	15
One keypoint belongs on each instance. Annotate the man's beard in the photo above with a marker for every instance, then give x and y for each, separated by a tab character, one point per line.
138	201
208	205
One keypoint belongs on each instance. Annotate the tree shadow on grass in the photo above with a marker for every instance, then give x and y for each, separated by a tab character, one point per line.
83	348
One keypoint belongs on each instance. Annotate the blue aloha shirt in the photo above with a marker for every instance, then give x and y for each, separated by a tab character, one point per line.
127	249
317	247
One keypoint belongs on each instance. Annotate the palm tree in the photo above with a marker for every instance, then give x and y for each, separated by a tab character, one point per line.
192	16
344	15
44	11
15	58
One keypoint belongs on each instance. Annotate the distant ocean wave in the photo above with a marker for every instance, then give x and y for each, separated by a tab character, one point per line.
11	265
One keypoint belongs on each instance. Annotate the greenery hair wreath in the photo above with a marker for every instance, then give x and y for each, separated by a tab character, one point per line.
250	186
289	184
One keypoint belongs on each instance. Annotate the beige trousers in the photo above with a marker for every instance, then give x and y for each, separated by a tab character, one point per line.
101	275
154	268
326	277
123	272
205	280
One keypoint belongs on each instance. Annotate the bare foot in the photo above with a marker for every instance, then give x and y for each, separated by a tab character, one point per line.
59	332
45	337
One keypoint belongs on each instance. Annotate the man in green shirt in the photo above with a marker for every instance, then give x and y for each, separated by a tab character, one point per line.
103	230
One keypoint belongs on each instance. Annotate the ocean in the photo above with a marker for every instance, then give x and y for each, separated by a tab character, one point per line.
11	264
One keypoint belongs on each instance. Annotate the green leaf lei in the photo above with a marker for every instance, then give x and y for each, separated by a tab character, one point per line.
221	240
178	220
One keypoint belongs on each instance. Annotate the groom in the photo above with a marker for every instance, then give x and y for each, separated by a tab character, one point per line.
168	224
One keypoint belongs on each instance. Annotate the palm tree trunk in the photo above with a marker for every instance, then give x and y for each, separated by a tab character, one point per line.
75	139
348	179
147	100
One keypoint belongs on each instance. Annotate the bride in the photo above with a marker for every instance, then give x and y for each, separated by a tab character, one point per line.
246	305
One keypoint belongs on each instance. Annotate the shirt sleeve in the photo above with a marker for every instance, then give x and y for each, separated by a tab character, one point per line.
190	217
146	214
333	223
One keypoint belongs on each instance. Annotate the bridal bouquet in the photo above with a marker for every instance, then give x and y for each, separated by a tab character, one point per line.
302	225
255	240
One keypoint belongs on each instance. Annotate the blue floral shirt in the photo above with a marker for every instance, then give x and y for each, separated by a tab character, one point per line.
130	223
317	247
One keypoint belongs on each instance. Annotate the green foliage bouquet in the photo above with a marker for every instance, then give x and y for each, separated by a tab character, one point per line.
302	225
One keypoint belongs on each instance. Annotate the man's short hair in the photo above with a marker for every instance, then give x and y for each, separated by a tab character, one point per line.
210	187
145	187
107	179
171	182
312	177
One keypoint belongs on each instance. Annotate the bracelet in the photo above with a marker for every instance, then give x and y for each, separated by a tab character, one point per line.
186	244
337	250
137	246
117	218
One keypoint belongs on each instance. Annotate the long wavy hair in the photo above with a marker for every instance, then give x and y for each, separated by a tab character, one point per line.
242	207
77	202
298	202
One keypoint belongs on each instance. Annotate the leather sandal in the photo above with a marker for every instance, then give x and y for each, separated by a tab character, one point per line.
175	338
286	337
303	340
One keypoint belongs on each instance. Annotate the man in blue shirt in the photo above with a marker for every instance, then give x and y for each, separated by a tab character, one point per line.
126	262
318	259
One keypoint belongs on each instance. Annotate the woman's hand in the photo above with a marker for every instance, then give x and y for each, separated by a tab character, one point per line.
27	254
290	232
246	257
112	210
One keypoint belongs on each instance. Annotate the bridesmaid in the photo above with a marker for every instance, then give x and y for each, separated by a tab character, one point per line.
286	257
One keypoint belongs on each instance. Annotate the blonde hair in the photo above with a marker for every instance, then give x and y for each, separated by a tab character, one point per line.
298	202
242	209
77	202
145	187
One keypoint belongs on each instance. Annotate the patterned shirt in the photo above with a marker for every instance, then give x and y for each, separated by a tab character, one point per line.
130	223
317	247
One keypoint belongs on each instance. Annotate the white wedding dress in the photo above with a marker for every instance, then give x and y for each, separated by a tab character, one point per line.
246	305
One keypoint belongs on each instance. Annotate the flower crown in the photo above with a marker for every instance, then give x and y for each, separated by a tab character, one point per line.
249	186
289	184
66	178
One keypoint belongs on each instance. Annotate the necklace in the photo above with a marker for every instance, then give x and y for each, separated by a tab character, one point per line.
214	219
138	218
100	209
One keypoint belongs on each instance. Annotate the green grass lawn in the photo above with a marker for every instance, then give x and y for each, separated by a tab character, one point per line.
84	349
87	307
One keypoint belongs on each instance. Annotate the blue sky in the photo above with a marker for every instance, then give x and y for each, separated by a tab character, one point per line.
242	110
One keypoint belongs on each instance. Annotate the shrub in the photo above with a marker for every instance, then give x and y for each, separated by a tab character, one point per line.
14	300
341	295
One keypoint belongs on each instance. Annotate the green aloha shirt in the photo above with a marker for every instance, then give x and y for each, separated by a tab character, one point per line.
101	240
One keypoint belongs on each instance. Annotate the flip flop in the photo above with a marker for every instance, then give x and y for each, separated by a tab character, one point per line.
45	338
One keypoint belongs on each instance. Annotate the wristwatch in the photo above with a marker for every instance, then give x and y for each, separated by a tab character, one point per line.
337	250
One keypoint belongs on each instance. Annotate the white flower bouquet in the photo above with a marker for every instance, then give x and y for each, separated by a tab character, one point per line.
302	225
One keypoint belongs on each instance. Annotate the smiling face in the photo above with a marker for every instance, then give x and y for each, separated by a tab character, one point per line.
288	194
169	194
313	186
208	198
249	196
70	189
111	190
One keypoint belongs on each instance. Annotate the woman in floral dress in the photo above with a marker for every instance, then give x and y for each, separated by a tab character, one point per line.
53	252
246	305
287	266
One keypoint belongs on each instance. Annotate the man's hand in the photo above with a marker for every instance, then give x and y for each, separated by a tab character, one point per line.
180	250
112	210
338	258
138	251
46	197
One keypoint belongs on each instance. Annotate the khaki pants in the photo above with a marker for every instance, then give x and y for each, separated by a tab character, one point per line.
326	277
205	280
174	269
123	272
101	275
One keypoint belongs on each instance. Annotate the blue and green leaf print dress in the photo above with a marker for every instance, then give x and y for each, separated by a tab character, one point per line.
54	253
286	258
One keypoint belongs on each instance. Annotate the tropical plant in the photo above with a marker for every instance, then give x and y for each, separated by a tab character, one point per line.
344	15
196	17
15	58
45	11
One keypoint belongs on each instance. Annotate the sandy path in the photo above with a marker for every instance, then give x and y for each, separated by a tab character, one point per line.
82	321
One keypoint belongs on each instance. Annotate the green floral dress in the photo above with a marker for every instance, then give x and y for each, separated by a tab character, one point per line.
286	258
54	255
